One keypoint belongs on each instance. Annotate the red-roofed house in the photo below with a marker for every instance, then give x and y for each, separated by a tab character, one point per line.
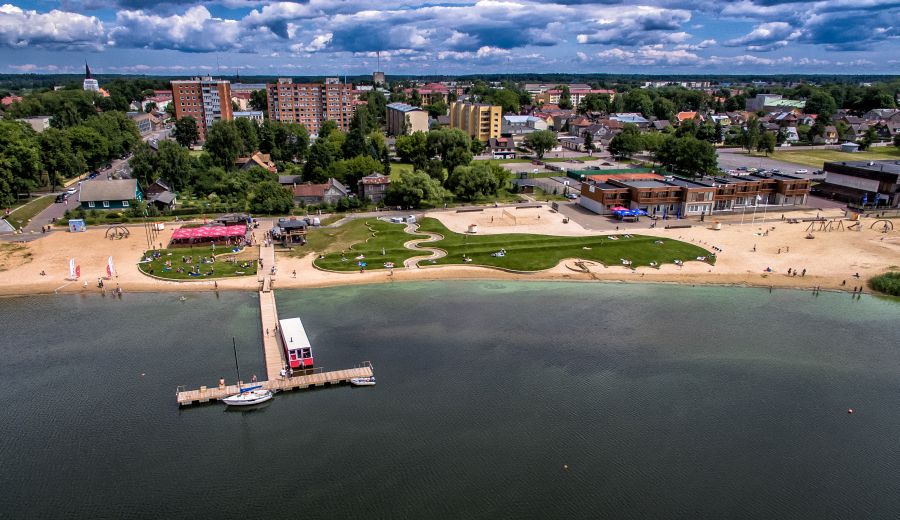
9	100
502	148
681	117
374	187
262	160
330	192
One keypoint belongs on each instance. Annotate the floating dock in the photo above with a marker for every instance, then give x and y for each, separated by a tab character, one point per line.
274	353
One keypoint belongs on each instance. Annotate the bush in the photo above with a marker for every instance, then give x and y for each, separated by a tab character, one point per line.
887	283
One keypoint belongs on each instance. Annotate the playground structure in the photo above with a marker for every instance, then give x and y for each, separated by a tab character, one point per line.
886	225
117	232
835	224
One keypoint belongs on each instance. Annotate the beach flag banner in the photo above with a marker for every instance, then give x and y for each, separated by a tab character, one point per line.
110	268
77	272
72	272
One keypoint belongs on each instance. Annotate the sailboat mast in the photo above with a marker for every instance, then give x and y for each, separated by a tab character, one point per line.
236	368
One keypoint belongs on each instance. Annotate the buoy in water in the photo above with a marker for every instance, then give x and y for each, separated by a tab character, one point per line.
566	467
849	410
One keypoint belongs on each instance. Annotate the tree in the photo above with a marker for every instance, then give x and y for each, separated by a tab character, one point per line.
594	103
324	152
589	142
506	99
477	180
687	156
150	107
173	163
357	142
413	148
186	132
327	127
377	106
20	160
720	132
565	97
58	158
664	109
143	164
93	146
438	108
706	132
451	145
540	141
119	132
751	134
477	147
821	103
897	140
249	134
271	198
867	140
627	143
766	143
385	162
259	100
350	171
414	188
638	100
224	144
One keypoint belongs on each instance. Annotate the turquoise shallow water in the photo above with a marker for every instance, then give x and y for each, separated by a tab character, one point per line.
664	401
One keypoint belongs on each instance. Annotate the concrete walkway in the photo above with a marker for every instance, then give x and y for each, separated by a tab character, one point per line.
415	244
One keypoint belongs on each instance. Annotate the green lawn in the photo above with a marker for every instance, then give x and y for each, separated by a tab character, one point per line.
361	237
221	268
583	158
817	158
538	252
21	215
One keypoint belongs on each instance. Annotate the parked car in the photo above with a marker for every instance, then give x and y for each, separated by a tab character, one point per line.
93	175
571	196
71	191
62	197
804	170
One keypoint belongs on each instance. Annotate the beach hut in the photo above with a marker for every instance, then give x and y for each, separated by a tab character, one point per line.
77	225
297	348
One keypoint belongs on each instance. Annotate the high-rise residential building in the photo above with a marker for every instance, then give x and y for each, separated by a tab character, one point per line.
205	99
405	119
311	104
480	121
89	82
378	78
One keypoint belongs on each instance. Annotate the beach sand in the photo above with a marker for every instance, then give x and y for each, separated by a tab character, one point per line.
830	259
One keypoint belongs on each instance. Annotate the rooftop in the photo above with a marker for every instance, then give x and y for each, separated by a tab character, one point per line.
646	184
874	166
403	107
96	191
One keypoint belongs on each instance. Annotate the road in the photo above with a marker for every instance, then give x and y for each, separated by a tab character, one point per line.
58	209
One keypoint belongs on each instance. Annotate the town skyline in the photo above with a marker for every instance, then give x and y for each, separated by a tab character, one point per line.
329	37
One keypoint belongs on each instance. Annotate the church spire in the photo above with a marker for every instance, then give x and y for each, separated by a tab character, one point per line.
87	71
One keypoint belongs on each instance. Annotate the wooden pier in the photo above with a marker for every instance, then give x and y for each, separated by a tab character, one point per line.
274	352
317	378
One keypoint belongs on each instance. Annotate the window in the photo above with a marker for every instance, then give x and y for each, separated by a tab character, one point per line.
91	204
124	203
105	203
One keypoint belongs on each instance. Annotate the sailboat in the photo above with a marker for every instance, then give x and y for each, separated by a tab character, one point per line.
246	396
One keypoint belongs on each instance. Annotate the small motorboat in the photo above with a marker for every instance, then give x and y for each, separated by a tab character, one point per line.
249	397
363	381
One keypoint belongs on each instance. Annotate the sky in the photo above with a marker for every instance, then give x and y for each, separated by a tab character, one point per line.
422	37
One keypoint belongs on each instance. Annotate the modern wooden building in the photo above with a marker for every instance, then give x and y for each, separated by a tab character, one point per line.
677	196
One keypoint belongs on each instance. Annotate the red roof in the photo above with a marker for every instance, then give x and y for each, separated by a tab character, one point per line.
210	232
9	100
376	178
310	190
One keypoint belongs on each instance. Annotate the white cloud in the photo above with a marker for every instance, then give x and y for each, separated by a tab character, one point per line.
55	29
650	55
767	36
194	31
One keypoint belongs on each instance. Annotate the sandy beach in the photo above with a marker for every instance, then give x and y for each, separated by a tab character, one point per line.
831	259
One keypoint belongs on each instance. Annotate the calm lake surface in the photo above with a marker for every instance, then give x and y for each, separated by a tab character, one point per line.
664	401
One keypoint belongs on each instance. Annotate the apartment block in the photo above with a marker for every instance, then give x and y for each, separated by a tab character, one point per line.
478	120
205	99
405	119
311	104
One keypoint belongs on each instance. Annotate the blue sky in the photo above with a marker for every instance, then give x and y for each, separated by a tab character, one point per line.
316	37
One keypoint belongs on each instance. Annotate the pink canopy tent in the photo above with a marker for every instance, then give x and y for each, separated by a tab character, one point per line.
210	233
619	208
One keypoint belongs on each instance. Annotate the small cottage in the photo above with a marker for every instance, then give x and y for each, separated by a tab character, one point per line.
111	194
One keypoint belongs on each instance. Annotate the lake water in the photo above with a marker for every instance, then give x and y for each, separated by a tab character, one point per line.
664	402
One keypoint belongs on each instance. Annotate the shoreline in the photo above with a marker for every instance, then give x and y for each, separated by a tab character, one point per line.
744	253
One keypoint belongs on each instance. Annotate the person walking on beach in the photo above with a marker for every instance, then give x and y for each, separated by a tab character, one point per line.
803	273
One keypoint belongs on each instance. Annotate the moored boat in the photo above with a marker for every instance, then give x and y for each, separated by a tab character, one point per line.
249	397
363	381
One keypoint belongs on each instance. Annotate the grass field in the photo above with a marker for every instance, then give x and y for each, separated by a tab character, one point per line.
583	158
817	158
21	215
538	252
369	238
220	267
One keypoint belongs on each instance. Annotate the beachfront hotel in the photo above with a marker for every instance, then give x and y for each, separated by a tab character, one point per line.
677	196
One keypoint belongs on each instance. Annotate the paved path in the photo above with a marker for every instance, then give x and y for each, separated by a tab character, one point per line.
414	244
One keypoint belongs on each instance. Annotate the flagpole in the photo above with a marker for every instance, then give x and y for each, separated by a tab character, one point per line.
755	205
743	210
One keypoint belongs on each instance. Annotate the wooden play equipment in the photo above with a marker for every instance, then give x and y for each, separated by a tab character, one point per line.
117	232
886	225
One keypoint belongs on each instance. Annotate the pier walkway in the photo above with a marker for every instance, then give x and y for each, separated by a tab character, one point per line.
278	384
268	314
